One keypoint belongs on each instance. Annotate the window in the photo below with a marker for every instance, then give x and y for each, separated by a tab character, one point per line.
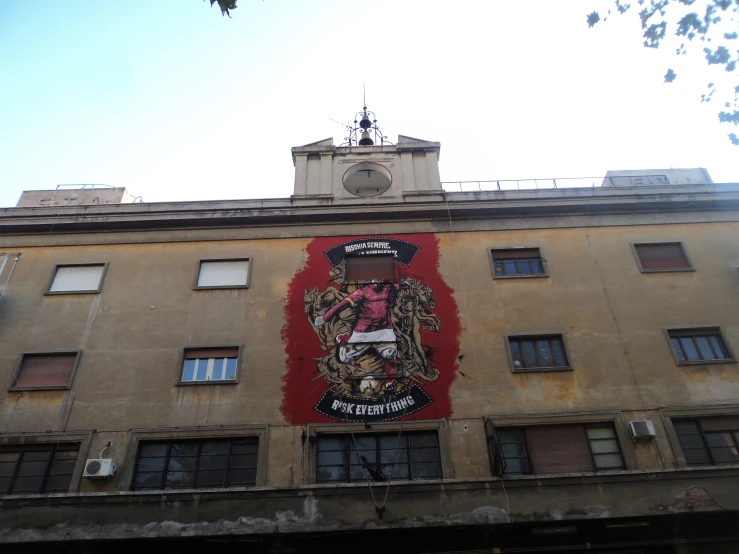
546	352
518	262
77	279
37	469
217	274
45	371
374	267
549	449
340	460
699	345
665	256
210	364
192	464
709	441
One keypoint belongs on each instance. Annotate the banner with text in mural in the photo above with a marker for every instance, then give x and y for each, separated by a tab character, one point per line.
372	350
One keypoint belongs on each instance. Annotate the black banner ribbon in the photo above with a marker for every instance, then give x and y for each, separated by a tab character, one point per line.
403	251
345	408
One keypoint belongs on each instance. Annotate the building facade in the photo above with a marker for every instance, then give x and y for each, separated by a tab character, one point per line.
373	359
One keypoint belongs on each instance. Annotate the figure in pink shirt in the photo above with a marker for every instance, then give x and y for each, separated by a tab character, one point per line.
373	328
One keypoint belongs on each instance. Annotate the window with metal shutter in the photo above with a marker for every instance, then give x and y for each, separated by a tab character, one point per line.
558	449
45	370
662	256
370	268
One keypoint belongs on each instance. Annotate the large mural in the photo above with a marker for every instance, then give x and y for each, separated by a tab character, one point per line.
370	350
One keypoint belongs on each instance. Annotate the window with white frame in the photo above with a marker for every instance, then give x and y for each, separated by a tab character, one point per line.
210	365
81	278
223	273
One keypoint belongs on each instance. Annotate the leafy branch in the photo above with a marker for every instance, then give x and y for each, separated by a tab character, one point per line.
713	25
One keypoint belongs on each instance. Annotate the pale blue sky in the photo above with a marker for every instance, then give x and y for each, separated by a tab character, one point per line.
175	102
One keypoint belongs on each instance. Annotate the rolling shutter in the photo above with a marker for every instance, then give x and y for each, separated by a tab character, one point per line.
558	449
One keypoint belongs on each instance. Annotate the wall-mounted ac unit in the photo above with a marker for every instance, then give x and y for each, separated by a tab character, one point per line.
99	468
641	429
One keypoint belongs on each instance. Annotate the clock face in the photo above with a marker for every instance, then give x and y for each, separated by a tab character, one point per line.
367	179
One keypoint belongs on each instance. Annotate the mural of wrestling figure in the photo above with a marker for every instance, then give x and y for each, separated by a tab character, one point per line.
373	328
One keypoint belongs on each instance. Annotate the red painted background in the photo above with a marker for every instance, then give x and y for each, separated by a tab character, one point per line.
302	389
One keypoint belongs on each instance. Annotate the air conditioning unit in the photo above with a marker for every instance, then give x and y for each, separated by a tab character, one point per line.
99	468
641	429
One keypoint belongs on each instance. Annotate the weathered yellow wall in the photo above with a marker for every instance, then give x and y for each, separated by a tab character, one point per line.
612	317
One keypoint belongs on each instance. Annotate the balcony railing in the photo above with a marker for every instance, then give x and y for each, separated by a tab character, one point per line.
552	183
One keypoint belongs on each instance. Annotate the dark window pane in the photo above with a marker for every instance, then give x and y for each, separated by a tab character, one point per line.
184	449
32	468
719	439
424	455
601	433
212	462
5	485
358	473
147	481
331	473
182	463
387	456
424	440
9	456
725	455
510	436
66	455
36	456
513	466
691	441
245	447
330	458
608	461
211	478
523	267
536	266
560	359
529	354
545	354
516	355
689	349
57	483
388	442
498	269
214	448
704	348
696	457
62	468
242	461
364	457
718	348
364	443
509	266
242	477
180	479
150	464
686	427
427	470
31	484
513	450
152	449
7	469
399	471
331	443
678	350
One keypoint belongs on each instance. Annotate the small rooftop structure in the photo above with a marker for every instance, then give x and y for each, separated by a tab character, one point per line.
75	195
